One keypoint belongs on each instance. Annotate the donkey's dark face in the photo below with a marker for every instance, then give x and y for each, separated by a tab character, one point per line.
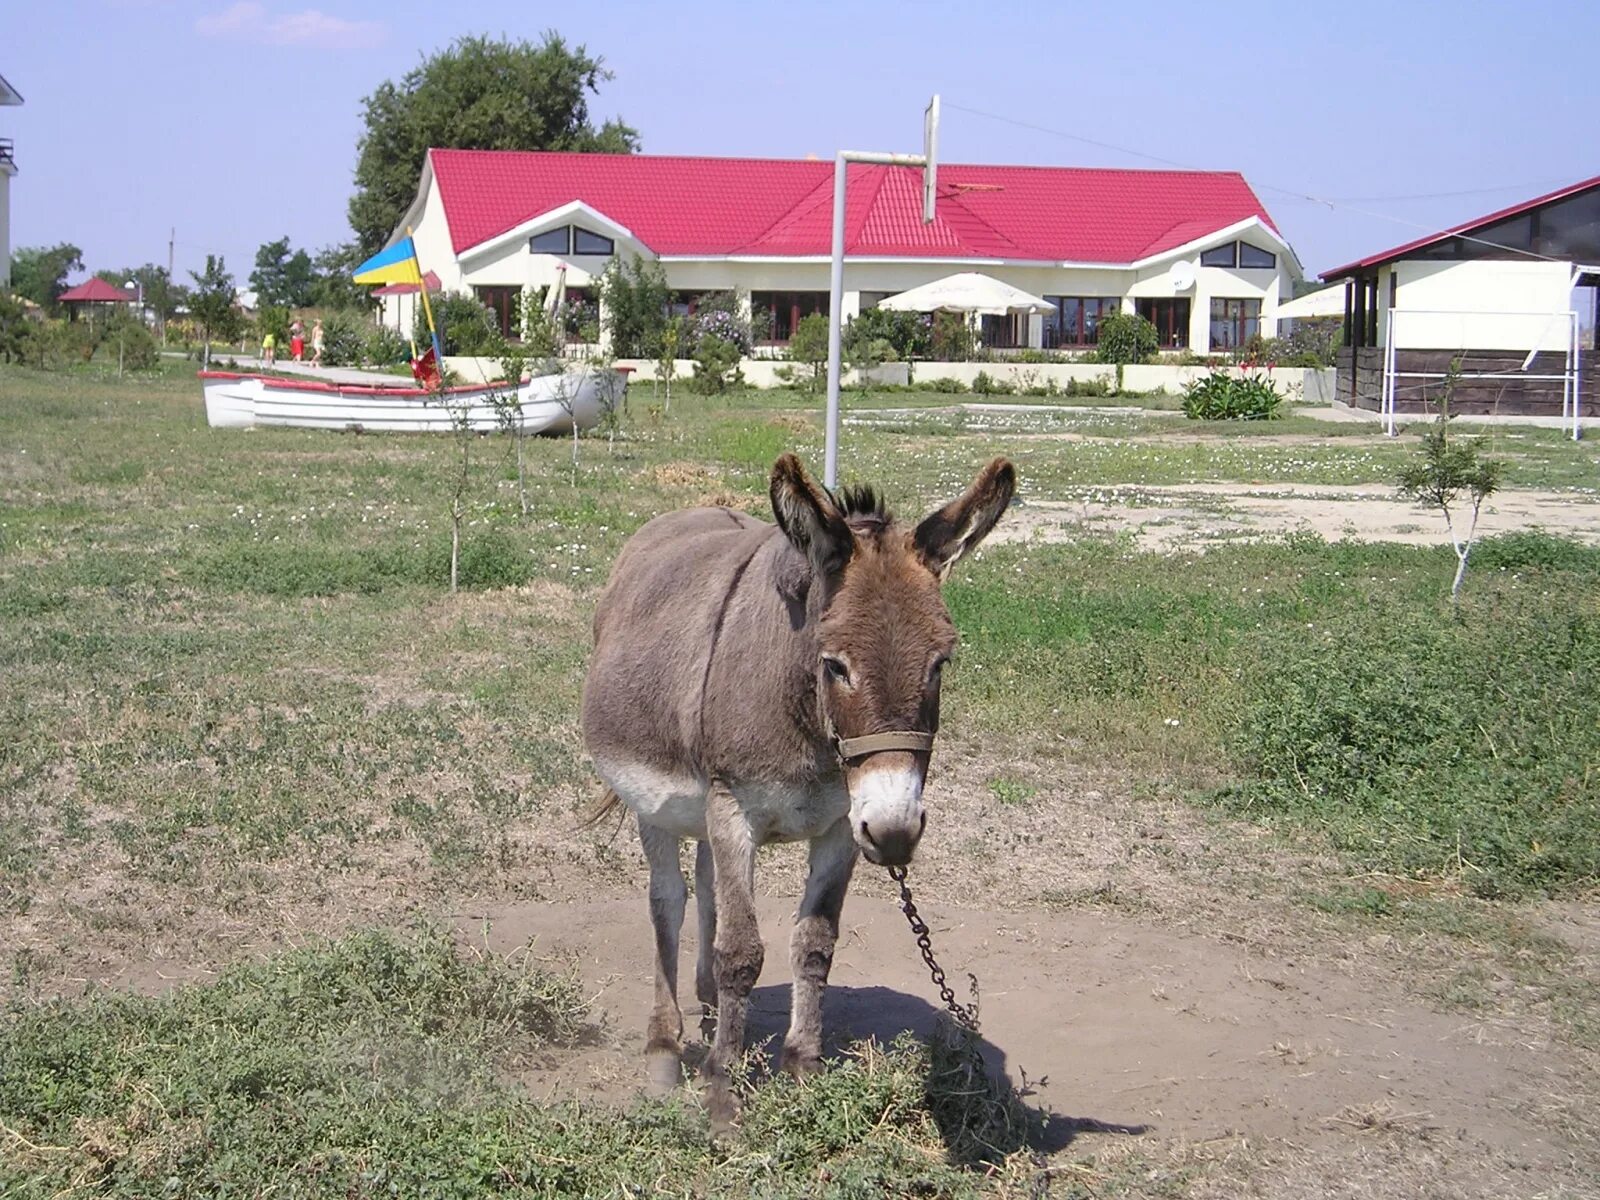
885	633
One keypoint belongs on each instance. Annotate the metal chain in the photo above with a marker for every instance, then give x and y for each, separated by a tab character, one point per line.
966	1016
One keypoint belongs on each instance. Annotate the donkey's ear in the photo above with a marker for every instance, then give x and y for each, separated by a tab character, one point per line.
809	518
944	536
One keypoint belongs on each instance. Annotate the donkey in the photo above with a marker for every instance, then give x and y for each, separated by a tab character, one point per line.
754	683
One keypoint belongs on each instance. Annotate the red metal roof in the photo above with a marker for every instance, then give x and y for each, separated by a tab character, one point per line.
783	207
97	291
1374	260
406	289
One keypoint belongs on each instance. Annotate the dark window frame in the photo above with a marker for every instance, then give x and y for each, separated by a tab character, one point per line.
1171	316
1241	320
1271	263
1231	249
787	309
1081	333
501	300
579	233
564	233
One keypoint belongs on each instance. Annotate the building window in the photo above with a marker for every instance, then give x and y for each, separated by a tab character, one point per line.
553	241
1075	320
1171	319
1256	259
1004	331
1234	322
785	310
502	302
1220	256
584	242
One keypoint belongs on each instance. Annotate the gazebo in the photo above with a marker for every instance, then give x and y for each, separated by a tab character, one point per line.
92	292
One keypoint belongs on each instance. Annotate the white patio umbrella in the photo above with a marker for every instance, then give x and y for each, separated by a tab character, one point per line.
1328	302
969	291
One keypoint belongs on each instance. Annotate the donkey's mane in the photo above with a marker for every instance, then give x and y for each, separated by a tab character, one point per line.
861	501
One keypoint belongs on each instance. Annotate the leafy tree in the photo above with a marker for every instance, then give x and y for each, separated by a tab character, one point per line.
635	297
211	304
809	345
16	329
1452	474
478	94
282	278
39	273
161	296
331	285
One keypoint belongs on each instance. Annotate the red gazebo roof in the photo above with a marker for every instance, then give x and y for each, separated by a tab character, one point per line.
405	289
96	291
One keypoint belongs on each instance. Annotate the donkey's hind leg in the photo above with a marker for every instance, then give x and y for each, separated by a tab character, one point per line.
705	976
668	894
738	952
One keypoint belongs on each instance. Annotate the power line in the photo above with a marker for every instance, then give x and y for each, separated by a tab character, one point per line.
1298	193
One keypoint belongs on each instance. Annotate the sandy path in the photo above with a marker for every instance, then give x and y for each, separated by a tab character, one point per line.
1196	515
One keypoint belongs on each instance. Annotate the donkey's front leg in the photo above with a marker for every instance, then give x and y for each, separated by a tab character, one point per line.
737	953
816	929
668	894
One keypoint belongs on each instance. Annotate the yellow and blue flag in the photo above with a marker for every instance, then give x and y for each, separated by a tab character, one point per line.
396	264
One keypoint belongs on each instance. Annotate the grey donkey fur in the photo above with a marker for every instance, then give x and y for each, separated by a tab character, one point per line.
730	656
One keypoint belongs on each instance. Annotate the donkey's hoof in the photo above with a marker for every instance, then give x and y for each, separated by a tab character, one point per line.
802	1064
722	1108
664	1071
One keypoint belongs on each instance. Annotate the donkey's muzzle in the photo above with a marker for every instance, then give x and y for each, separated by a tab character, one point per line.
886	813
890	848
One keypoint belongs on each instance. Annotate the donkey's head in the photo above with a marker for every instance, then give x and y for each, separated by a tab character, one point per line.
884	635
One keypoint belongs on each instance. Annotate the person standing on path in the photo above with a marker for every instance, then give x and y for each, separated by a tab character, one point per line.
269	345
297	340
316	343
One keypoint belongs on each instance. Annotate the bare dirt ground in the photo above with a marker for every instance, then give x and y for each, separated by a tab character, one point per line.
1196	515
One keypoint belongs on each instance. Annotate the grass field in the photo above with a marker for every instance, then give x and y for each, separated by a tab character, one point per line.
238	707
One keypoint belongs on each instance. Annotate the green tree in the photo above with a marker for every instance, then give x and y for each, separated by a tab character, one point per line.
161	296
1452	474
331	285
212	305
635	295
1126	338
809	345
478	94
39	273
282	277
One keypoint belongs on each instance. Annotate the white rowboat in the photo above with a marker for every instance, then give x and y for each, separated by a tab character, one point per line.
544	404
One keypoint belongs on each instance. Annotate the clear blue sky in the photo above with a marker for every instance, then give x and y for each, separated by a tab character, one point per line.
237	121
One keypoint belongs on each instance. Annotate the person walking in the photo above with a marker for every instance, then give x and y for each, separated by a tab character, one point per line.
269	345
297	341
317	342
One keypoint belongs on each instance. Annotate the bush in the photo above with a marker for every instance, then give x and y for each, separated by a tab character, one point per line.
384	347
344	340
1102	386
131	340
986	385
1437	745
1221	396
719	315
716	366
951	339
945	384
16	327
465	325
1126	338
909	334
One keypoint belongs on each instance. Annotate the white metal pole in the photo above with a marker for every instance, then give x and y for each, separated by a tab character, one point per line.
1388	374
830	467
1575	364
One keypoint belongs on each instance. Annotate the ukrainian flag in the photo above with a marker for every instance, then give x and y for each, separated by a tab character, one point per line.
397	264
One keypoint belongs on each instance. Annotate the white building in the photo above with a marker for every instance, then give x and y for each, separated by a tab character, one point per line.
1195	252
1486	294
8	167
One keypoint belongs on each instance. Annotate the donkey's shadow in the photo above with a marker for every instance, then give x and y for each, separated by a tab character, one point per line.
854	1014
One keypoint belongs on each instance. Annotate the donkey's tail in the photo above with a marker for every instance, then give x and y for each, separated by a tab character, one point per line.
607	804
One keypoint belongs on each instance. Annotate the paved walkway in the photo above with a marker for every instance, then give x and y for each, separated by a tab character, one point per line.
326	374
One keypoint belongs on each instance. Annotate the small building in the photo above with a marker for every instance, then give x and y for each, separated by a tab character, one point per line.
94	294
1510	299
8	167
1194	251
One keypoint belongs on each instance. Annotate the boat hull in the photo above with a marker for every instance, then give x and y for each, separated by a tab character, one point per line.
545	404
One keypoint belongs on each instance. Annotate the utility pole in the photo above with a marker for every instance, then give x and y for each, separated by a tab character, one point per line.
172	237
